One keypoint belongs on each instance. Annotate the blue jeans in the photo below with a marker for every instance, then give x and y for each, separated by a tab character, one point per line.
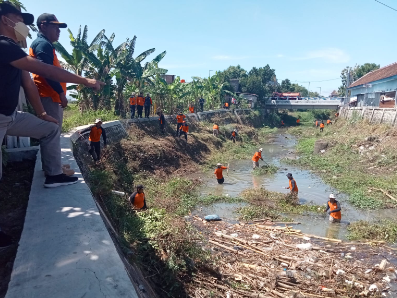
132	108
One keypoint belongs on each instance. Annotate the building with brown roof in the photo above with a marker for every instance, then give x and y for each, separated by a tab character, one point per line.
377	88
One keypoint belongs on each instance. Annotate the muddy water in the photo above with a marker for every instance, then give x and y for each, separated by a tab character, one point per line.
311	189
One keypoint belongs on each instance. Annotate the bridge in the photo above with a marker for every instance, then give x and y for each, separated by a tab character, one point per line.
304	104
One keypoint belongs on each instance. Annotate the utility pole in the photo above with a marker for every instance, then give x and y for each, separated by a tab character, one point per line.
308	91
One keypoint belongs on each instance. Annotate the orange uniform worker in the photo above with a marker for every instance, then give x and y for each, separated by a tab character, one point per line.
132	105
298	121
233	136
322	126
184	130
329	122
137	199
140	101
316	123
191	109
282	123
161	121
333	209
95	138
226	105
218	173
256	157
293	187
215	130
180	118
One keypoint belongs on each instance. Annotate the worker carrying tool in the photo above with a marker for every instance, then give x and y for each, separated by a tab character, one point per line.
333	209
137	199
161	121
293	187
234	135
322	126
256	157
329	122
184	129
95	139
215	130
180	118
218	173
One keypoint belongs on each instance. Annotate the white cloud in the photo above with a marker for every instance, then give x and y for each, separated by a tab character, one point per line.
331	55
280	56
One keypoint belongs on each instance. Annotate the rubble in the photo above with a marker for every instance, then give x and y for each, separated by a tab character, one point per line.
261	260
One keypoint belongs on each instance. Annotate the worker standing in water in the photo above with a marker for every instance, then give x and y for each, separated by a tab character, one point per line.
293	187
322	126
218	173
256	157
137	199
333	209
215	130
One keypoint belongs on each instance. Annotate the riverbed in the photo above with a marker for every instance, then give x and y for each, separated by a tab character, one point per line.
312	189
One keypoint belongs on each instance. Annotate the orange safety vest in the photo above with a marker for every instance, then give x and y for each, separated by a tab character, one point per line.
328	121
191	109
321	125
185	128
139	200
218	172
298	120
180	118
256	156
95	134
132	101
45	90
226	104
316	123
282	122
332	207
233	133
290	186
215	127
140	101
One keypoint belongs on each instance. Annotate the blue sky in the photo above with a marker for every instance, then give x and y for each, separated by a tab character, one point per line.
303	40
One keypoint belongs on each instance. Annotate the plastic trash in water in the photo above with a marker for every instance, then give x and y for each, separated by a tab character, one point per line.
304	246
373	288
212	217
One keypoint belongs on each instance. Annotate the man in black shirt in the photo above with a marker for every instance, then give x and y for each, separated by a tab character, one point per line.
15	66
201	101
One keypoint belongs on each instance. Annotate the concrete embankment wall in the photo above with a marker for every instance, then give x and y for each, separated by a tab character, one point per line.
373	115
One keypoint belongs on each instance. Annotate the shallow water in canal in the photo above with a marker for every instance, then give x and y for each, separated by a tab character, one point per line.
311	189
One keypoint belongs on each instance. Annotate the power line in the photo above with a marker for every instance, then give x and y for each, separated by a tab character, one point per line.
386	5
317	81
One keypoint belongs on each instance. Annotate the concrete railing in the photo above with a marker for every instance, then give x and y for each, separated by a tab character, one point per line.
374	115
302	102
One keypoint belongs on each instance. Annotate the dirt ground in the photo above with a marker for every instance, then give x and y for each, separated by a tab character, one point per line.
16	176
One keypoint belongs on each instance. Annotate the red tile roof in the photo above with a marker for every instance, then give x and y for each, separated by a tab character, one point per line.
381	73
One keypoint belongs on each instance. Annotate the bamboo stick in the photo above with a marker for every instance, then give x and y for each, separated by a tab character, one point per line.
384	192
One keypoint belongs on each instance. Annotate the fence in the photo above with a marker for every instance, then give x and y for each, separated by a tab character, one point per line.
373	115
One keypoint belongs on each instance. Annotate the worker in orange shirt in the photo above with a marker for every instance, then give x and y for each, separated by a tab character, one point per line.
161	121
336	116
298	121
95	139
226	106
316	123
140	101
184	130
137	199
333	209
215	130
132	105
218	173
293	187
191	108
329	122
322	126
256	157
282	123
180	118
234	135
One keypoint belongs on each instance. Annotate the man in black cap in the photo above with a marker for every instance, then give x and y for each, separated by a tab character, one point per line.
52	93
15	66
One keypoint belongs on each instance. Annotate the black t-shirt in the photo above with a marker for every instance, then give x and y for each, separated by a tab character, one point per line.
10	77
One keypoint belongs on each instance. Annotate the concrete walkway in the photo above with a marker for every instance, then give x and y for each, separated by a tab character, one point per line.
65	250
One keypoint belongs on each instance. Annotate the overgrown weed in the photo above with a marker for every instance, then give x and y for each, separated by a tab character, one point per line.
383	230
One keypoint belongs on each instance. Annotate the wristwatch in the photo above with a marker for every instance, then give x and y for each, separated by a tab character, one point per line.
42	115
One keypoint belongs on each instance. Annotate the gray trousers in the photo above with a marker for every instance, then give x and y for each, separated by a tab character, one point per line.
27	125
53	109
